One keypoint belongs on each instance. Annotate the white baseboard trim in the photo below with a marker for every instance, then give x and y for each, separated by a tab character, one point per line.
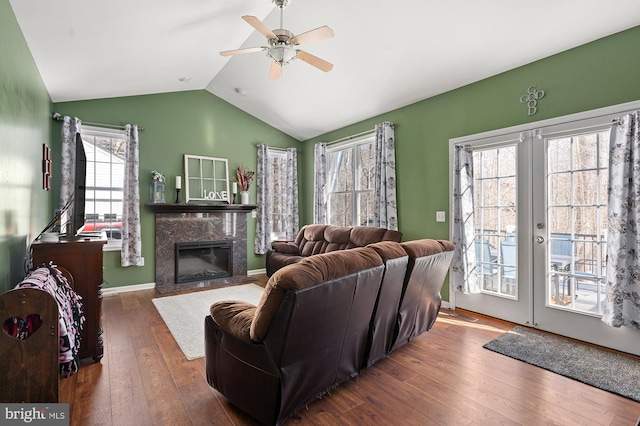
445	305
114	291
256	272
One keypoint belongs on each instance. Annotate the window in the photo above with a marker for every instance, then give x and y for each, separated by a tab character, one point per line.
277	184
350	182
105	151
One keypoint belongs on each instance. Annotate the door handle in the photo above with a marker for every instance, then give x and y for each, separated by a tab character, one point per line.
539	240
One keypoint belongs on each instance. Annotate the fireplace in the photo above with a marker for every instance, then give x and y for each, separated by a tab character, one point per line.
203	260
193	223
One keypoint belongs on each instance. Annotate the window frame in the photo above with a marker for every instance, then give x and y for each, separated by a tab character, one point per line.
95	131
356	191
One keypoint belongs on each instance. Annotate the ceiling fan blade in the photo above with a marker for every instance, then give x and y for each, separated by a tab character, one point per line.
241	51
275	71
258	25
314	35
321	64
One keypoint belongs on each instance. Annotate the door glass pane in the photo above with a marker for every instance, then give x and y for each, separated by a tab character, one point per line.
495	220
576	207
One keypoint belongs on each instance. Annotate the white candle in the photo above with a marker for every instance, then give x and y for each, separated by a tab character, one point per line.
234	187
178	182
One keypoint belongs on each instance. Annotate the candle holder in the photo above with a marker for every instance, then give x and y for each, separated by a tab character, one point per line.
177	195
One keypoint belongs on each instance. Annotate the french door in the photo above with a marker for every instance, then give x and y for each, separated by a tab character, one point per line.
501	206
540	216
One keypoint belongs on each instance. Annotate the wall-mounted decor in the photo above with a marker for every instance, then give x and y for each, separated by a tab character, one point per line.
46	167
531	99
207	178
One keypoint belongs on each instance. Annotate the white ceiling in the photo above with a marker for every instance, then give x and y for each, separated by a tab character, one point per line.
385	54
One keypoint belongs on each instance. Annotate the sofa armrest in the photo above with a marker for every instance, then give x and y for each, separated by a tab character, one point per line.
234	317
286	248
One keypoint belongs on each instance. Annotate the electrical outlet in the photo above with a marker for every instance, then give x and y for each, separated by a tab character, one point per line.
440	216
254	214
142	261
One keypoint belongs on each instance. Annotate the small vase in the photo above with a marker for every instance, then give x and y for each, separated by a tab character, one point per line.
244	197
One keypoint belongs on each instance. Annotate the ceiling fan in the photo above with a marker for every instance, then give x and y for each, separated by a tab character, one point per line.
282	44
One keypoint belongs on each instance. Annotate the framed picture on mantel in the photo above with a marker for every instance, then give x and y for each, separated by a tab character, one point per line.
207	178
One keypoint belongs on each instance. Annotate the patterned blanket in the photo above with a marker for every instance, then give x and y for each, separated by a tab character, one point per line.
70	319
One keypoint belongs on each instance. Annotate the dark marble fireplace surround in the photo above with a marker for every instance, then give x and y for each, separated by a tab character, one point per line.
180	223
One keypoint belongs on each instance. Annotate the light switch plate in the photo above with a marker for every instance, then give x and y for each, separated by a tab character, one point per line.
440	216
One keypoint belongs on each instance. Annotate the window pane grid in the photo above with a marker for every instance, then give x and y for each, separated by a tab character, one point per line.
350	181
104	182
577	207
495	220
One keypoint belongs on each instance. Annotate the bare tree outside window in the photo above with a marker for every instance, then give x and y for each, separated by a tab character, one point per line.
350	182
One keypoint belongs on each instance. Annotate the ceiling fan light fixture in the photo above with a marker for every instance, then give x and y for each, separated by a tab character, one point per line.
282	54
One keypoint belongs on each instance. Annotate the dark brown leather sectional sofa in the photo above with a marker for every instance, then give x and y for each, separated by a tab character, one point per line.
316	239
321	321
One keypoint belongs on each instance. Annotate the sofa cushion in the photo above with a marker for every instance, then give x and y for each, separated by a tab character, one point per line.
388	250
235	317
312	239
363	235
309	271
337	238
421	248
286	248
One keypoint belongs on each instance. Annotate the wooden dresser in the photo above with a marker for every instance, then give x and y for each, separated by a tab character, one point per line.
83	259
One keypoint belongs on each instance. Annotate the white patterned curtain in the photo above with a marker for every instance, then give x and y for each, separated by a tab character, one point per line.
291	193
385	212
464	276
263	224
70	129
320	183
131	252
622	304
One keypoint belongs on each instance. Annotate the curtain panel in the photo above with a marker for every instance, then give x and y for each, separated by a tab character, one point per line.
291	210
622	303
385	212
264	225
70	128
320	184
263	216
131	251
464	276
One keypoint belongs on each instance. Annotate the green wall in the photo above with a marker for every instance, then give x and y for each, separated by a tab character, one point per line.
598	74
25	208
175	124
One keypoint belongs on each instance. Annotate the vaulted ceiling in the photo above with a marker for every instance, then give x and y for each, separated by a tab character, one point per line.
385	54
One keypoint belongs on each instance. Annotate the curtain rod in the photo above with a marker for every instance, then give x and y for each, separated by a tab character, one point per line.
59	117
346	138
274	148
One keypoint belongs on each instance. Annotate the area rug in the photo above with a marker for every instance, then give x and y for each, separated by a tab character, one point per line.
184	313
596	367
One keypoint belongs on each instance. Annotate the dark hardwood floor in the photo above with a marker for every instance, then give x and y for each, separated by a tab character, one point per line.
444	377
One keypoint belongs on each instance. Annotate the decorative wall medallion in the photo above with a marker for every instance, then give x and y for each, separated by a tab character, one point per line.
531	99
